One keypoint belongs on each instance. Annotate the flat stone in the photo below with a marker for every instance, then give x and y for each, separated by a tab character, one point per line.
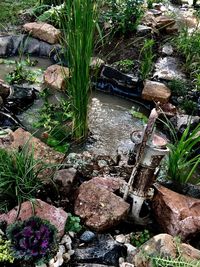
168	68
98	207
55	77
155	91
41	151
165	246
43	31
178	215
55	216
110	183
164	21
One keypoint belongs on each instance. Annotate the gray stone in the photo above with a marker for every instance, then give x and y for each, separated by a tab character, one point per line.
5	46
87	236
64	179
104	250
143	30
167	50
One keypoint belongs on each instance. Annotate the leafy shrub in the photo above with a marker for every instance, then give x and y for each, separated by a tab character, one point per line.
124	15
33	240
189	106
182	161
5	251
19	177
146	58
73	224
125	65
139	238
178	87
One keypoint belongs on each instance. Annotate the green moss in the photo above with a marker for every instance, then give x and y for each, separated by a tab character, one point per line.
5	252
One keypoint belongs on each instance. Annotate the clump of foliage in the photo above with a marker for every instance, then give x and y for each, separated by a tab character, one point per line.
146	59
189	106
178	87
33	240
124	15
5	251
182	161
53	118
125	65
19	177
138	115
139	238
169	262
73	224
78	23
20	74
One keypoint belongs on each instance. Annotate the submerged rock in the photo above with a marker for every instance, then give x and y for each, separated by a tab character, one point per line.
165	246
55	77
43	31
55	216
104	250
168	68
155	91
98	207
178	215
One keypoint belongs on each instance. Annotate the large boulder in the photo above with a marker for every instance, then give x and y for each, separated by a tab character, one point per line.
55	77
55	216
43	31
98	207
164	246
156	91
178	215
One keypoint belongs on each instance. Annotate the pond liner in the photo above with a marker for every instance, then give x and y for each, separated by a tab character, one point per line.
8	120
25	45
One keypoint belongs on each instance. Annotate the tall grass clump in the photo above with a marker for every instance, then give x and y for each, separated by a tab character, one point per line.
146	58
78	23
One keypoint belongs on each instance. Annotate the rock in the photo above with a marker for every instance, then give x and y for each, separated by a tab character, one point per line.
104	250
131	252
154	12
87	237
41	151
120	238
167	49
96	63
172	29
168	68
178	215
1	102
92	265
55	216
169	109
5	89
165	246
55	77
5	45
64	178
155	91
43	31
181	121
112	184
164	21
143	30
98	207
126	264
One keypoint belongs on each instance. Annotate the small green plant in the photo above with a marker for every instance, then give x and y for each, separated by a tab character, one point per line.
170	262
33	240
178	87
189	106
124	15
138	115
5	251
182	161
73	224
139	238
125	65
19	176
146	59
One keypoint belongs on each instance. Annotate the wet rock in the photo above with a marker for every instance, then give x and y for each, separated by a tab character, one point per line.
43	31
64	178
168	68
87	237
5	89
98	207
54	215
104	250
164	245
177	214
41	151
55	77
155	91
5	45
167	50
164	21
143	30
181	121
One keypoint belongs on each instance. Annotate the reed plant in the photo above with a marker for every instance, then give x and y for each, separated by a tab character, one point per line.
78	23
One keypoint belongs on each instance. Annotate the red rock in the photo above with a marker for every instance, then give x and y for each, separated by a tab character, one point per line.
98	207
43	31
155	91
55	216
112	184
178	215
55	77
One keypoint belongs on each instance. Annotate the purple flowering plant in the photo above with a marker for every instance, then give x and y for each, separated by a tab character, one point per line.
32	240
